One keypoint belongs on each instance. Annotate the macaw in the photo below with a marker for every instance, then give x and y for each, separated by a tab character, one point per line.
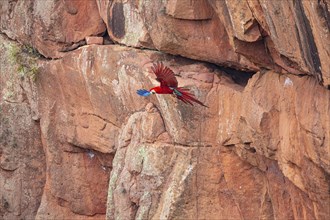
168	85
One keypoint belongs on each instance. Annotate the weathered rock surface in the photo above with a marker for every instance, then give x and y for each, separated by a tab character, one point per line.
78	143
53	27
251	147
22	159
78	138
192	31
295	34
287	36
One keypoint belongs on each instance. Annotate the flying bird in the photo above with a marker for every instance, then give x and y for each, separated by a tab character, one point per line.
168	85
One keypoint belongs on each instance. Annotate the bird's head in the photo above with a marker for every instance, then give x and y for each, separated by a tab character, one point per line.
152	91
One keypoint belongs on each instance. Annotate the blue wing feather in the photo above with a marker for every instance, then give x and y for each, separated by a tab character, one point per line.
143	92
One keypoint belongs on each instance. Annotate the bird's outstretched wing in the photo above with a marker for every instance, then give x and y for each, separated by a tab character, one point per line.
143	92
164	75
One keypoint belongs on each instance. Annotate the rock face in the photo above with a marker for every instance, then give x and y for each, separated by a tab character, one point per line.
285	36
77	142
53	27
193	31
22	159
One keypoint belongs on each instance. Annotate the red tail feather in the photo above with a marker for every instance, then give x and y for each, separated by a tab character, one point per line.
188	97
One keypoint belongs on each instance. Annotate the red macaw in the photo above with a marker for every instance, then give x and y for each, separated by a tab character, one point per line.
169	85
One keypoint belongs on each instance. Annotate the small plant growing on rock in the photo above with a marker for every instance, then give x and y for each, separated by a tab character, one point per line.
22	64
25	57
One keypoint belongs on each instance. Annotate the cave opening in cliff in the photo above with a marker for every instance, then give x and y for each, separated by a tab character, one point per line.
238	76
106	38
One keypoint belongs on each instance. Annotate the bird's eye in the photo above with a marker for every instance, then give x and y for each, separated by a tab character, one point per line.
152	92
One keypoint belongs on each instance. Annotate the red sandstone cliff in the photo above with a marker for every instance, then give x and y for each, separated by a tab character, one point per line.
76	142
